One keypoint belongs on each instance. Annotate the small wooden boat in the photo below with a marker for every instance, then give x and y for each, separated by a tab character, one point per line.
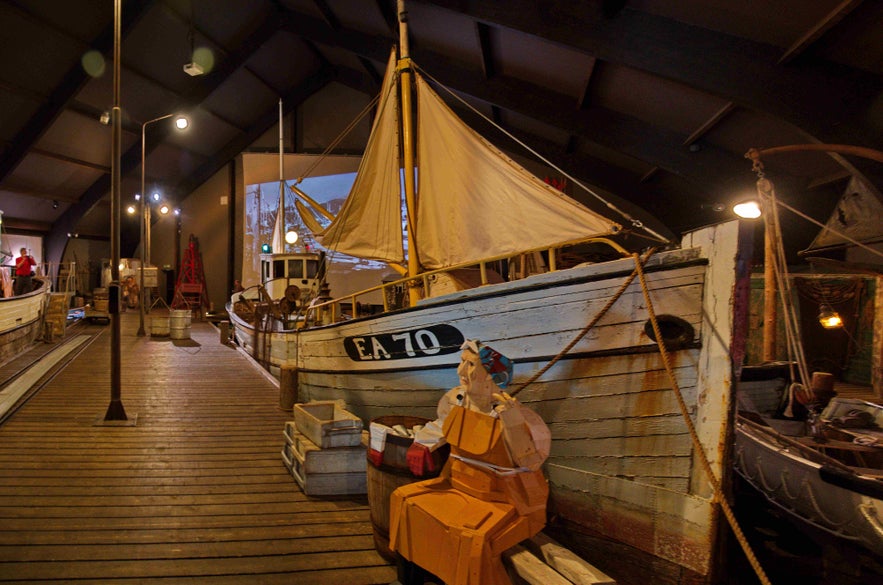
21	318
826	472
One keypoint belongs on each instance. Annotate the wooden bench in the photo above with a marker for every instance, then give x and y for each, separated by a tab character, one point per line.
542	561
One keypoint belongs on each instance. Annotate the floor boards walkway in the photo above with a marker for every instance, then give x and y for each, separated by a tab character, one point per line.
194	491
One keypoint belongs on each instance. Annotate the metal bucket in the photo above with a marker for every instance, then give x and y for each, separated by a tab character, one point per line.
179	324
159	325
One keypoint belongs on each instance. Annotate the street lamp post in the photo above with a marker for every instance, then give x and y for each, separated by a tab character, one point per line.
180	123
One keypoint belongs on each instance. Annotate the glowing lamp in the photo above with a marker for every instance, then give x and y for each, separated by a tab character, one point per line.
266	248
829	318
291	236
747	209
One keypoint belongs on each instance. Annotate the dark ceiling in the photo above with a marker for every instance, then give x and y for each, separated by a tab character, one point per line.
654	101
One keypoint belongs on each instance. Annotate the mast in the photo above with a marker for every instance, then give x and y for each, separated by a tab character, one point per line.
404	67
279	227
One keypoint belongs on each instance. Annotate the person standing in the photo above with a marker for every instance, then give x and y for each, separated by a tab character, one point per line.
24	271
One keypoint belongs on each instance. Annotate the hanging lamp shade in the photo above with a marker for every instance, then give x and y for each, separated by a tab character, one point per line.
829	318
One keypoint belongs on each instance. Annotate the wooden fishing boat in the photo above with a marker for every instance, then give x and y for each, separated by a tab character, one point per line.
639	428
810	453
21	319
826	473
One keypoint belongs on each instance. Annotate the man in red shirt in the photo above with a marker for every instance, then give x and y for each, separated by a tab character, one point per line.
24	269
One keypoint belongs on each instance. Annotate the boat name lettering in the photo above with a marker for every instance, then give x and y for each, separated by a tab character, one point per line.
428	341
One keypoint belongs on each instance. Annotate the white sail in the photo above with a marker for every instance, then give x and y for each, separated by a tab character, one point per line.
370	223
475	202
858	216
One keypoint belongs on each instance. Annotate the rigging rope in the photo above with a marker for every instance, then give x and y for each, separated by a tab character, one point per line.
343	134
830	229
767	194
587	328
697	444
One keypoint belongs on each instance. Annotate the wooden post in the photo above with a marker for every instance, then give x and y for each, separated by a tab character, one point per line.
769	298
287	387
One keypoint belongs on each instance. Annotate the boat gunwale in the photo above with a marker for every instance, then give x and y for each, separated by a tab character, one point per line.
549	280
45	288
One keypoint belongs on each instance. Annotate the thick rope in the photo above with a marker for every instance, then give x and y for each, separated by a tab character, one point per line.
585	329
700	452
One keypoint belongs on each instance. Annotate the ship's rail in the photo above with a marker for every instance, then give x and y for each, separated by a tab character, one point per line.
328	311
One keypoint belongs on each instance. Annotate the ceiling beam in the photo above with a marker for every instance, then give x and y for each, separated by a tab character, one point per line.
820	28
57	237
810	95
73	81
296	96
605	127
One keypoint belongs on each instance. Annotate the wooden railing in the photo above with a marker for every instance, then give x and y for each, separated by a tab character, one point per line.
330	311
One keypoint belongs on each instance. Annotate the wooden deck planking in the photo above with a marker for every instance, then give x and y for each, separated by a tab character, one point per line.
194	492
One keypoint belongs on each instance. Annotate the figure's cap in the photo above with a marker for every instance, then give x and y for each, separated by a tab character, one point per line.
498	366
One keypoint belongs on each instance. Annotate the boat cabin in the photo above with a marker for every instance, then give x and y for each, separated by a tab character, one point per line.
280	271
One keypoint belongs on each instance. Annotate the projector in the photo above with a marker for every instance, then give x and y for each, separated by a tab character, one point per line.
193	69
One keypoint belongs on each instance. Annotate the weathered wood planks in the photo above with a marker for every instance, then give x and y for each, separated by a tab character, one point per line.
194	492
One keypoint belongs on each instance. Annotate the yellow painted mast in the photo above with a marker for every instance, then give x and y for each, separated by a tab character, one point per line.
404	68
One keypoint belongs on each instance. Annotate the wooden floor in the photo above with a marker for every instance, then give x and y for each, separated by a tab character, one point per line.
195	491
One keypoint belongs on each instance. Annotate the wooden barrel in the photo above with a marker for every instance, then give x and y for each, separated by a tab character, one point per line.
381	483
384	477
179	324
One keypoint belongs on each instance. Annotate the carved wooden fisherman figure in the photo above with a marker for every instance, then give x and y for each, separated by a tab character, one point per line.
491	494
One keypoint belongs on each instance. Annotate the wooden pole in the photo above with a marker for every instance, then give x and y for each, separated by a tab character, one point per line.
408	147
770	312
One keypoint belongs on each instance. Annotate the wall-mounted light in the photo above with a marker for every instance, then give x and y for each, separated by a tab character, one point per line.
104	118
747	209
181	123
54	204
291	236
177	211
130	209
164	209
829	318
155	196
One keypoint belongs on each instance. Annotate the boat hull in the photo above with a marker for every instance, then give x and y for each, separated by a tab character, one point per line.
21	320
811	492
622	465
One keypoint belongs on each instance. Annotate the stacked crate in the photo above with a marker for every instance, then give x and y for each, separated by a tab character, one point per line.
324	451
56	315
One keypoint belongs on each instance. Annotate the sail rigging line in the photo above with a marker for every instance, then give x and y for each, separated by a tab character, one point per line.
338	139
635	223
852	241
343	215
610	302
719	495
767	194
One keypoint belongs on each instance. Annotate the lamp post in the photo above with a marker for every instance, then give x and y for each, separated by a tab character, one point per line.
180	123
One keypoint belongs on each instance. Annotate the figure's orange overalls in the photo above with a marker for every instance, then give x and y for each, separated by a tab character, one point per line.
457	525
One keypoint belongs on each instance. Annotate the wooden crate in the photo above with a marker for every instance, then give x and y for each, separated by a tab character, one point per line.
325	472
327	424
317	460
